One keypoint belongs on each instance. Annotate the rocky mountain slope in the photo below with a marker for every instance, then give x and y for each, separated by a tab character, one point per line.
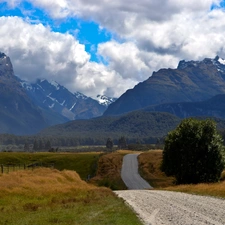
17	112
27	108
214	107
51	96
191	82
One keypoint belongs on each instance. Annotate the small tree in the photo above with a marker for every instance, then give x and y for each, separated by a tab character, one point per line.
109	144
26	147
48	145
193	152
122	143
35	145
40	145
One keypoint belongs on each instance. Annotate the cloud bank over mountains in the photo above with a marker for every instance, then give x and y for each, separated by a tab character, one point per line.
146	36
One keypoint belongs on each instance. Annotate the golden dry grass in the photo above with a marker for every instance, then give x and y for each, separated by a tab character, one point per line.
124	152
47	196
149	168
213	189
149	164
42	181
109	169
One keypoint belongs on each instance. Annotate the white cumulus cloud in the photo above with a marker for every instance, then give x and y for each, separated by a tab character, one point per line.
153	34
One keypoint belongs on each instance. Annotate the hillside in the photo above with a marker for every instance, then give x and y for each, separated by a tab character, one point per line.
190	82
137	125
214	107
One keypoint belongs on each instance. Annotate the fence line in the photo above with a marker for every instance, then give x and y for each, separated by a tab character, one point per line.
14	167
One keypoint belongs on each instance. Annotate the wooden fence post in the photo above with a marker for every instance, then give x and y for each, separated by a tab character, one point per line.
2	168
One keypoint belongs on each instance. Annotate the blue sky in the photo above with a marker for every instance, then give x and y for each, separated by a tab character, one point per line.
106	47
87	32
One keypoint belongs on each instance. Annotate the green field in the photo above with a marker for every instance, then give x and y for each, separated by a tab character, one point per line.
85	164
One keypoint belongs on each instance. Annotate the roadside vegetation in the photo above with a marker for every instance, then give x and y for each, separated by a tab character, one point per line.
193	152
85	164
109	169
150	169
47	196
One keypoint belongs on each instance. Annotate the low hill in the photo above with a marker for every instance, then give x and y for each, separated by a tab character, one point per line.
138	125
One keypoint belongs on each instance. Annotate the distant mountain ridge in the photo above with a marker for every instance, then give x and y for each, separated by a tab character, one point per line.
213	107
192	81
27	108
71	106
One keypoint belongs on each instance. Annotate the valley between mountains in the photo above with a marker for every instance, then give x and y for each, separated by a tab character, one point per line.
45	110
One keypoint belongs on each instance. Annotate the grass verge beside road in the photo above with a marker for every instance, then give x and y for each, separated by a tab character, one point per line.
47	196
149	169
149	166
212	189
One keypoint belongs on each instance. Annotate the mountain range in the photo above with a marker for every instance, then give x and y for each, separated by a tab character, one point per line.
51	96
193	89
26	108
191	81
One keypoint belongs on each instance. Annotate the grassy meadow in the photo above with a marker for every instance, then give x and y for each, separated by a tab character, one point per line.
83	163
48	196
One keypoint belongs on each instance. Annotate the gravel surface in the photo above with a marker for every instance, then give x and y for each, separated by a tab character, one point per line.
130	175
174	208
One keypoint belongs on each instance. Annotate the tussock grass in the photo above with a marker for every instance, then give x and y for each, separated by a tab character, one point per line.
212	189
42	181
109	171
149	168
149	164
47	196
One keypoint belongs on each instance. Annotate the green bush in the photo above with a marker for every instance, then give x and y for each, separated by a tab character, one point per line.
193	152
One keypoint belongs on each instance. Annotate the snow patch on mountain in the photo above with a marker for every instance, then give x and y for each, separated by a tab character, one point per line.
104	100
55	84
26	85
80	95
73	106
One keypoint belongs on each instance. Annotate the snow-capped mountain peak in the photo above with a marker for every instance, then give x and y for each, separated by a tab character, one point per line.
80	95
55	97
222	61
55	84
104	100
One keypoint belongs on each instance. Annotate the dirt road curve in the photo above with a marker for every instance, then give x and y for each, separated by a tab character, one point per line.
130	175
174	208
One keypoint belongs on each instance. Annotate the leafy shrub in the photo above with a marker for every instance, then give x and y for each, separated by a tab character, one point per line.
193	152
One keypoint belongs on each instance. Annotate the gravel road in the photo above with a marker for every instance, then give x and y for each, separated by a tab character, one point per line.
174	208
130	175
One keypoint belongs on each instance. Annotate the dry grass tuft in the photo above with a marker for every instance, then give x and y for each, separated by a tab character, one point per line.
150	163
108	173
149	168
41	181
212	189
223	176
